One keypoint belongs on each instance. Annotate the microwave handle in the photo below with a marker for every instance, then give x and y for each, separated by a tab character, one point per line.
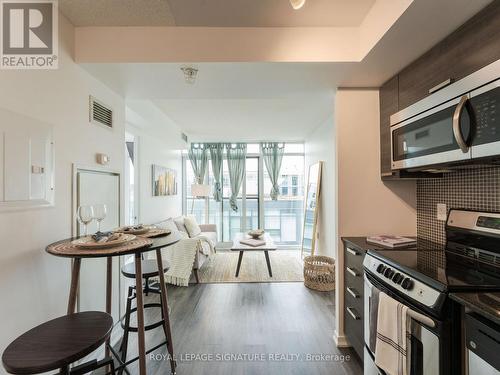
456	124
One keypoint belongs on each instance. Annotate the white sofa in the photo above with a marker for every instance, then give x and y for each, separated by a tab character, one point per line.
208	238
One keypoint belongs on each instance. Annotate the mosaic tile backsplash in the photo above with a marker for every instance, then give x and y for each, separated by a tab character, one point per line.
473	189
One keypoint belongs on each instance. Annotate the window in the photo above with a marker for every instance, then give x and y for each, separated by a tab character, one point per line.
282	218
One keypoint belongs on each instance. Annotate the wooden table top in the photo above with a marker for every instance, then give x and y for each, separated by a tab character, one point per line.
238	246
64	248
57	343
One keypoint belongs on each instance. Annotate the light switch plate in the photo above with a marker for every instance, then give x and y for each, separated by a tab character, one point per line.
441	212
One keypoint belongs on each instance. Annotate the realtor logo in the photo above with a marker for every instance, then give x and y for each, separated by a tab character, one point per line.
29	38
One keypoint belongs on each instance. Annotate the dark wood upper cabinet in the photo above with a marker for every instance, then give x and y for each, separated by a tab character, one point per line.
471	47
388	106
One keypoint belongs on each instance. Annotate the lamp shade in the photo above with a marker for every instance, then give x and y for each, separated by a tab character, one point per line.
200	190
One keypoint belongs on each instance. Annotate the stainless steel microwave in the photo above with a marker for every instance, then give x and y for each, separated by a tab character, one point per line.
458	124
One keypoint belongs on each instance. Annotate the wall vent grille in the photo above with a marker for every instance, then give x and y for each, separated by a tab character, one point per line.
99	113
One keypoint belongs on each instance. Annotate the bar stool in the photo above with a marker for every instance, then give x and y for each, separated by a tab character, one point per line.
60	342
149	270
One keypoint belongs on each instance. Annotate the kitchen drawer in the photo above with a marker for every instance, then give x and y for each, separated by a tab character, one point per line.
356	303
354	257
354	329
353	277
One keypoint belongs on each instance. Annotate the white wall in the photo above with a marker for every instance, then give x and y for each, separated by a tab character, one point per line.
159	142
366	205
34	285
320	146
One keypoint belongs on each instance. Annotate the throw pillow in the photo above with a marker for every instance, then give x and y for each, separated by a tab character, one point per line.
192	226
168	224
179	222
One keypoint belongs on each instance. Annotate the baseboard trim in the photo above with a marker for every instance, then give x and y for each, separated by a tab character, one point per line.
340	341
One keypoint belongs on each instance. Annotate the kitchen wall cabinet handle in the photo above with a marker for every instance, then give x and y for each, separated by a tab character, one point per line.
352	252
352	271
352	313
439	86
352	292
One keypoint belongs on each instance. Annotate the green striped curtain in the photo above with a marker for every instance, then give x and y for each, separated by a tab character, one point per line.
199	160
272	153
216	157
236	162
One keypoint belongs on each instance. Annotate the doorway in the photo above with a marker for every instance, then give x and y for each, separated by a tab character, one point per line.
131	187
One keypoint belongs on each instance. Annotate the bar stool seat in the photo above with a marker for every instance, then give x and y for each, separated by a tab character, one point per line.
149	269
58	343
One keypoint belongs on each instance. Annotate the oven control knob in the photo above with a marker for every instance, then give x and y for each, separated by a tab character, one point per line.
397	278
387	272
380	268
407	284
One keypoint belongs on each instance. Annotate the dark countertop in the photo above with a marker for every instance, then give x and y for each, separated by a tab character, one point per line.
485	304
361	244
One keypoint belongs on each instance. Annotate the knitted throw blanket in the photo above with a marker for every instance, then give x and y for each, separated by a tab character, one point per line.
182	257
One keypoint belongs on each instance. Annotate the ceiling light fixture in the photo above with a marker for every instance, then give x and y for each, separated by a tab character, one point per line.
190	74
297	4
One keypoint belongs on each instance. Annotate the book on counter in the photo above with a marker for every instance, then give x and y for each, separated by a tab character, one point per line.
391	242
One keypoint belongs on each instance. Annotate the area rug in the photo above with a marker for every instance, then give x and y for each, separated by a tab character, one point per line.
286	266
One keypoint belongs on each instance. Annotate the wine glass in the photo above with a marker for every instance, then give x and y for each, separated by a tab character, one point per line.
100	211
85	216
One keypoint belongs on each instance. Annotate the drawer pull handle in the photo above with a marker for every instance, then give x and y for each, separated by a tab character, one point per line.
352	312
352	271
352	252
352	292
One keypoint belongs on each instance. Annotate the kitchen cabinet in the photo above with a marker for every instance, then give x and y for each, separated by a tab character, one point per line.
471	47
353	295
388	106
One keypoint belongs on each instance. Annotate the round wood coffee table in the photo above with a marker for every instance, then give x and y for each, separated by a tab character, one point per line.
140	245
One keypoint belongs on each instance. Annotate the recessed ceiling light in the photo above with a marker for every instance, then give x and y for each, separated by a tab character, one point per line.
297	4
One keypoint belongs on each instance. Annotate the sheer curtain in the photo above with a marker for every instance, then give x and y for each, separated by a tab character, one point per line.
272	153
216	157
236	162
199	160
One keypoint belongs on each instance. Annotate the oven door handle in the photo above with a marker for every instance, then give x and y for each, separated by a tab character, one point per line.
457	132
421	318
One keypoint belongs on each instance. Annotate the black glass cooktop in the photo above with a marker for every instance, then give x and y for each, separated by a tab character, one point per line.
436	265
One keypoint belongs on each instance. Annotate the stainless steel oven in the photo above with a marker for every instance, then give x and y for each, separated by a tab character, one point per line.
455	125
426	347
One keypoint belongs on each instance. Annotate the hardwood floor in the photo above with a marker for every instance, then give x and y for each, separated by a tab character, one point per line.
217	328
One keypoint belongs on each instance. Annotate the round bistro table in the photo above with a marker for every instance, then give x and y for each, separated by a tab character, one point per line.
137	247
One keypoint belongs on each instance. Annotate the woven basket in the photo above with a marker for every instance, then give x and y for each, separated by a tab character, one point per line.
319	273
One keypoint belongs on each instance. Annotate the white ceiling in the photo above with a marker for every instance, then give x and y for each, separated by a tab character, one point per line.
268	13
230	102
265	100
214	13
117	12
287	119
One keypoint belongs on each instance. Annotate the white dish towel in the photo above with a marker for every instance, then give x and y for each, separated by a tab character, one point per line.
392	350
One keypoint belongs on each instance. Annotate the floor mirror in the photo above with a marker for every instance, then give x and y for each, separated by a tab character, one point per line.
311	209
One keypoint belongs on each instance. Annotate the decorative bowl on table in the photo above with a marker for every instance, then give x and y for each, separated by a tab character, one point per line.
134	229
98	241
256	233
